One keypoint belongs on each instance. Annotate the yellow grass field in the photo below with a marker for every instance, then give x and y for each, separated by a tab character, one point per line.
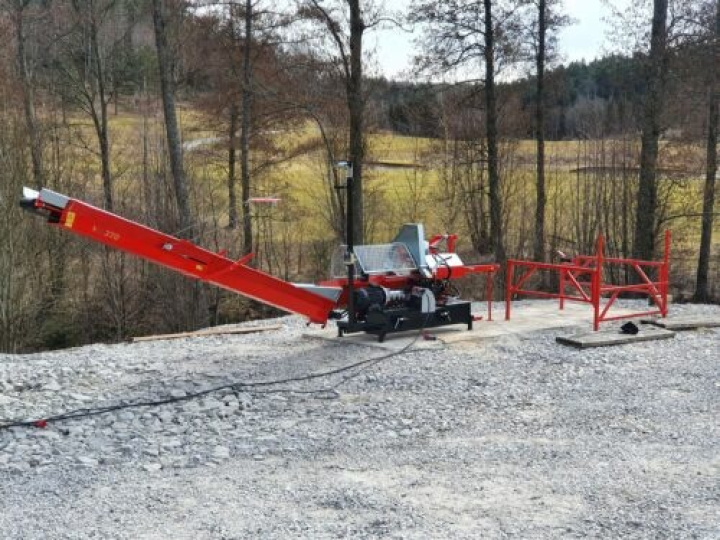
403	183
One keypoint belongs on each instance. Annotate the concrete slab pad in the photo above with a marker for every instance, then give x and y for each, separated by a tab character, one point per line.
528	317
686	322
605	338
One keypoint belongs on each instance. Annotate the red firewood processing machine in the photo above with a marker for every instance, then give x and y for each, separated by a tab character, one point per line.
378	289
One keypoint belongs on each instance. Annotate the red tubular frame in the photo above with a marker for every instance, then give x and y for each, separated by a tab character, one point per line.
593	290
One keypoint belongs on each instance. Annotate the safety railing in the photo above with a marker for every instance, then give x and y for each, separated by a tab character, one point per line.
582	280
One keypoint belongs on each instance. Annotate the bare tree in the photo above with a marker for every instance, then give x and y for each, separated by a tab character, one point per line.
315	96
244	64
657	65
350	49
713	117
540	201
492	136
19	9
459	34
167	89
546	19
245	126
16	251
85	45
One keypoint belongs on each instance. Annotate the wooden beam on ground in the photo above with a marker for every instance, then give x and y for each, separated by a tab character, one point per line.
605	338
209	332
686	323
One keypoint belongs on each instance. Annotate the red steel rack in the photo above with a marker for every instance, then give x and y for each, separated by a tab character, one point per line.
582	280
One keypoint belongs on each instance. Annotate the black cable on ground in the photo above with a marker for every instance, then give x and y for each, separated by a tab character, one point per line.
238	386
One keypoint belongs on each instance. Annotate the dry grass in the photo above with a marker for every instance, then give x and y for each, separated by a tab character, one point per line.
401	181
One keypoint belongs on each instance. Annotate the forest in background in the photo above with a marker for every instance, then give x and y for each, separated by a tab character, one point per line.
178	113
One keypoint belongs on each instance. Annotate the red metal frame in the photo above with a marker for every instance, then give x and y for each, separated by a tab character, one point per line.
584	277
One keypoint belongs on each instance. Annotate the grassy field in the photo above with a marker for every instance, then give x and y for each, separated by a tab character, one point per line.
590	184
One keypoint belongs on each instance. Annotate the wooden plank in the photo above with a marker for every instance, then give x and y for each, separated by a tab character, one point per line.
606	338
209	332
686	323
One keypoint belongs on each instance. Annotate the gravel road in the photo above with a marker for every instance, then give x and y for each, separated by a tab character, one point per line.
515	437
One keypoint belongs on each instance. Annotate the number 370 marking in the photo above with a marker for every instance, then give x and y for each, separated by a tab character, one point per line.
112	236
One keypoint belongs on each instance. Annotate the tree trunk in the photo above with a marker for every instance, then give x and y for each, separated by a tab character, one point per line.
539	244
167	89
492	138
701	283
356	106
28	97
232	194
245	127
150	215
644	242
101	122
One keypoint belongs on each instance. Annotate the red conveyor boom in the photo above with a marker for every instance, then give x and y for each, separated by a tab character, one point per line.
180	255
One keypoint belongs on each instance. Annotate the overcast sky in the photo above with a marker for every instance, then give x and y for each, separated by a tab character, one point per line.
584	39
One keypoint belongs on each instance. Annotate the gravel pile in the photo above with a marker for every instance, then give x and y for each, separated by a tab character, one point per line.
513	437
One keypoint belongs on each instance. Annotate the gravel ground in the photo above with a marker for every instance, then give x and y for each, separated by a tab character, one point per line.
515	437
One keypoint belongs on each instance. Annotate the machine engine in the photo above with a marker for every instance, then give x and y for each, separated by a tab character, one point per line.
403	285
